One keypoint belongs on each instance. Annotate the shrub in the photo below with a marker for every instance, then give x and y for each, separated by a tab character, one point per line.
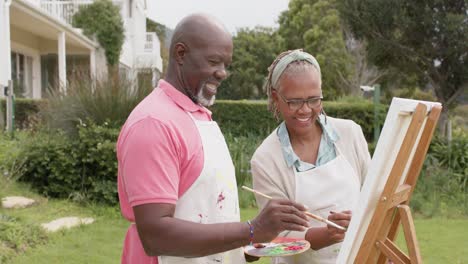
50	165
97	151
27	111
439	192
10	160
453	156
443	183
84	168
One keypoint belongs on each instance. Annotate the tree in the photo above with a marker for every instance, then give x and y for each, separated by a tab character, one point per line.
254	51
364	73
428	39
102	19
315	26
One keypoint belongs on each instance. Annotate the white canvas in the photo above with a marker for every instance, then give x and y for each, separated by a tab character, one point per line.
393	132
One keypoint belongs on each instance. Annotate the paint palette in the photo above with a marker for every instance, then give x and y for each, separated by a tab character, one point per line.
278	247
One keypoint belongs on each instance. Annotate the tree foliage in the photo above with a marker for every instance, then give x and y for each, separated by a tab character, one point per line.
428	39
102	18
315	26
254	51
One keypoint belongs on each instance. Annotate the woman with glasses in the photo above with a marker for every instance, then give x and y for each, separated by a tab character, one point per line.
310	158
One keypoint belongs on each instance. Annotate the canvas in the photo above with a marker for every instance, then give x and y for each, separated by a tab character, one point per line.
393	132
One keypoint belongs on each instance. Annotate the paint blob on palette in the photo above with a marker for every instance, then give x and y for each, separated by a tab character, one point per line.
279	247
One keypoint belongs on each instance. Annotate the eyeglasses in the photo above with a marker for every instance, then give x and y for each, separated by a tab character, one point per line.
296	104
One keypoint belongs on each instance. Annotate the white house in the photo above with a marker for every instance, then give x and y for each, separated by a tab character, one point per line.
39	48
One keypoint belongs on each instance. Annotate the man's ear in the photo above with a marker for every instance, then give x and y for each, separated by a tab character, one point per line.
180	49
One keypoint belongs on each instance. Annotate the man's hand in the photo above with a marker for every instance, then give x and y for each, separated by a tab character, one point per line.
277	216
342	218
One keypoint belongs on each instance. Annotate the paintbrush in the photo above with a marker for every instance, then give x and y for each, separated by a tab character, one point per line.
311	215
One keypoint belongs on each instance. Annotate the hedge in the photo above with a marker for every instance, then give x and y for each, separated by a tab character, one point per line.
26	111
241	118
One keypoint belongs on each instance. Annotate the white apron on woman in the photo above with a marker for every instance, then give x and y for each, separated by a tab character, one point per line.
212	198
334	186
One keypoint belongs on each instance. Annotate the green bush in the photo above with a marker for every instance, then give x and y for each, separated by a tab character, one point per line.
51	165
97	151
241	118
84	168
27	111
439	191
10	160
453	156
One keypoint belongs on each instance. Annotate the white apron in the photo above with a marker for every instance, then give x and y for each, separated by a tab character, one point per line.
333	186
212	198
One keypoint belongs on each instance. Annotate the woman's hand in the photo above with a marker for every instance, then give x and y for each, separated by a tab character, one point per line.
342	218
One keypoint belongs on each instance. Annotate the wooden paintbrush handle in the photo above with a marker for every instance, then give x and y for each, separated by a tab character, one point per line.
311	215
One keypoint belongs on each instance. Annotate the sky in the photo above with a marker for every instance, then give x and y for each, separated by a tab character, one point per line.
234	14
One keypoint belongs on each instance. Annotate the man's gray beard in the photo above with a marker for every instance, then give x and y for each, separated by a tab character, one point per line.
202	99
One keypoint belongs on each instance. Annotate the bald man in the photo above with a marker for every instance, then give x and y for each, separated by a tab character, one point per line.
176	178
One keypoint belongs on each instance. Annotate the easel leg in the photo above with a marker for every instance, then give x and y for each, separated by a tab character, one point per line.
389	250
392	252
410	233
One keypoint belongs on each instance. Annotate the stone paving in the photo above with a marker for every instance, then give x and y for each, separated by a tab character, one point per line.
17	202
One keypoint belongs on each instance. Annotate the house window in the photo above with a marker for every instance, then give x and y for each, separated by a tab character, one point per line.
21	75
77	68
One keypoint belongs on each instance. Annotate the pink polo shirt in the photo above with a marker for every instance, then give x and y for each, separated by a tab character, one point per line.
160	155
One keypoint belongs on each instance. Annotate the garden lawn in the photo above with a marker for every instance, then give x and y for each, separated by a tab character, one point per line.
441	240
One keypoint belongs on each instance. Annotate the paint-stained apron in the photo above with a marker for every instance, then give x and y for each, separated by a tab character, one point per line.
334	186
212	198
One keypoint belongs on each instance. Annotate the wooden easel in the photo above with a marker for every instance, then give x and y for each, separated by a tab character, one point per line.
378	243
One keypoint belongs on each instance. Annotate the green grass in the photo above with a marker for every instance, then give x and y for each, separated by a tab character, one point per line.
441	240
100	242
